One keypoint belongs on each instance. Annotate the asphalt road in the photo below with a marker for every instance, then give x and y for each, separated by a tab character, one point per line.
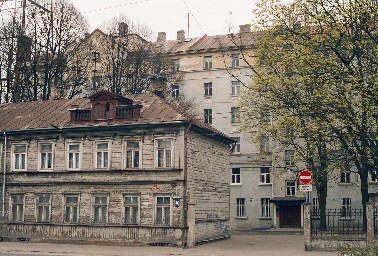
270	243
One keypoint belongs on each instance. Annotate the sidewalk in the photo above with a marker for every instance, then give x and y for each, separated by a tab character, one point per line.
242	243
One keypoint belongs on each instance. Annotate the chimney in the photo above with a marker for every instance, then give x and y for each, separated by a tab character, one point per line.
86	35
245	28
123	29
162	38
181	35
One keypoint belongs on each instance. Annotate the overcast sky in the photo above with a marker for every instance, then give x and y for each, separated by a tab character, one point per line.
210	17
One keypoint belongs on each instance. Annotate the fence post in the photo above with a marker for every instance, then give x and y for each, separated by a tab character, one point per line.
370	225
307	226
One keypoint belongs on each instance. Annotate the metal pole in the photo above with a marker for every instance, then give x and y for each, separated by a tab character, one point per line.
4	170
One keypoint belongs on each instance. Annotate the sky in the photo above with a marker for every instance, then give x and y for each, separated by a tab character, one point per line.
209	17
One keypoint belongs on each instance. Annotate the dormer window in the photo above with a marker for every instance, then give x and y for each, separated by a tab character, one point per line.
107	111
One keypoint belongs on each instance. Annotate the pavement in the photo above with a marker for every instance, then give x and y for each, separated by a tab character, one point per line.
241	243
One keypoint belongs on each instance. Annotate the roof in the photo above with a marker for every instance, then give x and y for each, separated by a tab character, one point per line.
208	43
53	114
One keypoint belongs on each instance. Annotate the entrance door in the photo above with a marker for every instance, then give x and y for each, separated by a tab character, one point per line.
290	216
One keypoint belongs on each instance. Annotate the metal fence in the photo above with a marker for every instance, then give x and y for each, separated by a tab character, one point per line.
339	223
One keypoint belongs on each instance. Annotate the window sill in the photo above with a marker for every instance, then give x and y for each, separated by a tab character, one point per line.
238	153
208	96
241	218
235	95
346	184
265	184
265	218
235	124
236	184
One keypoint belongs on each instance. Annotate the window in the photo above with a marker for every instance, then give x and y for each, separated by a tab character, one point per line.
264	116
17	208
100	208
235	59
43	208
72	209
175	65
235	88
102	155
264	144
374	176
207	62
208	89
346	207
290	187
163	210
208	116
345	176
235	176
289	157
131	209
74	156
265	207
235	115
164	152
265	175
133	154
19	156
315	207
175	90
107	111
240	207
236	146
46	156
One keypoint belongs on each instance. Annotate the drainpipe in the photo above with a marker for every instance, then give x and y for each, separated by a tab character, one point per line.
185	197
4	170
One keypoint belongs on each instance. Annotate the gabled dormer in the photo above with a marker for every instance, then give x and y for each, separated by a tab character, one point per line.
106	106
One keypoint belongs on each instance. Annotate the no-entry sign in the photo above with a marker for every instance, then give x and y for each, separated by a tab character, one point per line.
305	177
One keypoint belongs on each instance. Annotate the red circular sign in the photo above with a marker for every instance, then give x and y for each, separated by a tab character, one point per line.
305	177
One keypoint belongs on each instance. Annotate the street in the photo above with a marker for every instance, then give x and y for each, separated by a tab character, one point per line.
255	242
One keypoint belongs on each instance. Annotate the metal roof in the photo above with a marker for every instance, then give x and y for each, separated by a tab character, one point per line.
54	114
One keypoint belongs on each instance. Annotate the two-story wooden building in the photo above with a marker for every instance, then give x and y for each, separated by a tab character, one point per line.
112	169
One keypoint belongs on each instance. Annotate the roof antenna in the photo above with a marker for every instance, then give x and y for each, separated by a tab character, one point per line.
230	24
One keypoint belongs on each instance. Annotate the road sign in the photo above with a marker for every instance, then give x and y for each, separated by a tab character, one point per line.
305	177
305	188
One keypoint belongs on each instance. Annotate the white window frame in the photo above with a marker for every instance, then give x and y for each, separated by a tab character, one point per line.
208	116
102	165
175	65
235	60
164	206
235	88
37	208
21	153
346	208
289	157
345	176
132	150
265	177
20	208
132	206
207	62
265	208
208	89
265	144
74	152
175	90
373	177
71	206
165	156
101	205
40	162
235	177
236	147
241	208
235	115
291	189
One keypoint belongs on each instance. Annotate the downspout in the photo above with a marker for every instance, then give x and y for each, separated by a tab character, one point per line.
4	170
185	197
